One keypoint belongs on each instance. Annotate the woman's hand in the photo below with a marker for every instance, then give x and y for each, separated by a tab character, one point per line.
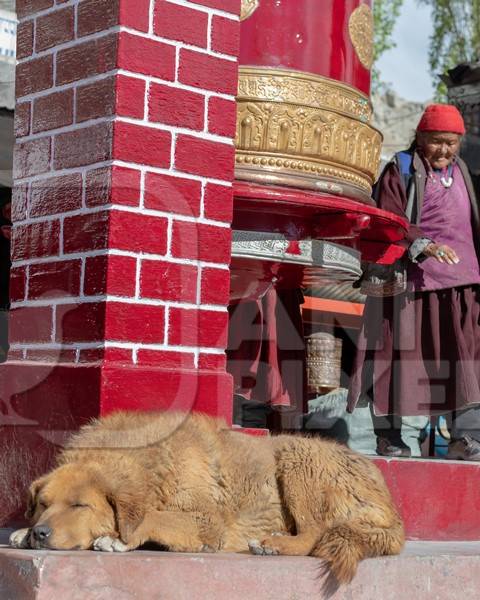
442	253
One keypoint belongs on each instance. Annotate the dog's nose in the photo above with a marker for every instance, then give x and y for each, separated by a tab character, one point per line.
41	532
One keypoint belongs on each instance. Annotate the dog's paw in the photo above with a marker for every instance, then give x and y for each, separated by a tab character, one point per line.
19	538
261	549
109	544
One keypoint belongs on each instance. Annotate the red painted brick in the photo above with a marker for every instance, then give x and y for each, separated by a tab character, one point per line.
141	55
54	29
52	111
115	275
18	281
22	119
225	36
51	280
116	185
212	362
232	6
180	23
218	202
85	232
80	322
135	323
142	145
96	100
24	39
34	75
204	158
208	72
84	146
55	195
135	14
96	15
19	202
168	281
117	355
166	359
58	355
87	59
173	106
25	8
173	194
91	355
130	97
36	240
30	325
215	286
222	117
31	158
198	328
201	242
138	233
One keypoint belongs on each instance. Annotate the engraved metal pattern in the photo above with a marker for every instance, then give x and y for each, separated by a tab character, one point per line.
285	130
248	8
360	27
315	253
304	89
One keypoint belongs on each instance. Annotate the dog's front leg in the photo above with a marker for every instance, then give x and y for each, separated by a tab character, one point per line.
178	531
20	538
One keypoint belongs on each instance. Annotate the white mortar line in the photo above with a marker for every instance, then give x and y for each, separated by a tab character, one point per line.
72	300
121	253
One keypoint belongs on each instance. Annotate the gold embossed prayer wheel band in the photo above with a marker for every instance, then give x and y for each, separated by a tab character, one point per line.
305	130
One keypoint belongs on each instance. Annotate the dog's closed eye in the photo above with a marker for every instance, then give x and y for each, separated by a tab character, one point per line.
80	505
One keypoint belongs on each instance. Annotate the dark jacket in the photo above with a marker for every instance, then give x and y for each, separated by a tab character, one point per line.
392	196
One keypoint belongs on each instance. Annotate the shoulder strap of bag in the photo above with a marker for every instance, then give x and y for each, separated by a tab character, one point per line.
404	162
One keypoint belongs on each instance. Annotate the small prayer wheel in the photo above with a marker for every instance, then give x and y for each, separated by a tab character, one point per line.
324	362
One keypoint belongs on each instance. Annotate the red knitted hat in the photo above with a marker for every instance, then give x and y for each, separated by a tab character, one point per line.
442	117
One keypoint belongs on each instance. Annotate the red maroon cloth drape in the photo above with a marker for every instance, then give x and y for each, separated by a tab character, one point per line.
266	349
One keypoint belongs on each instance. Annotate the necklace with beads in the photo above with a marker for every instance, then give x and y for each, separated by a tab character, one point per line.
446	178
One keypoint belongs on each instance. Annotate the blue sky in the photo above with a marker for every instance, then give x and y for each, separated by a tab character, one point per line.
406	66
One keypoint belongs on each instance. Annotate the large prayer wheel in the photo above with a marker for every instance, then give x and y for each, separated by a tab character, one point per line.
304	111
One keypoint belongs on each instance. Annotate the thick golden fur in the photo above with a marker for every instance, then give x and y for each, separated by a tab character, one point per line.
189	483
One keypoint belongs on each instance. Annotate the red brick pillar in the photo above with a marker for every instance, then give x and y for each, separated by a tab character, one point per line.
122	207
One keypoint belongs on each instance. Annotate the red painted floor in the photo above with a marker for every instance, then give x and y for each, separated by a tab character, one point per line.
439	499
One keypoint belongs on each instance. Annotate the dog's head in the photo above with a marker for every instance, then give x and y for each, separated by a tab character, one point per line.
76	503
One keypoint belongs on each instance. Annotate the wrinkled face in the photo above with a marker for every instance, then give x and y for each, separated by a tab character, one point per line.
438	147
69	510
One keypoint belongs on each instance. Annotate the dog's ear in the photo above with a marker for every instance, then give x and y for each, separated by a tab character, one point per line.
129	509
33	492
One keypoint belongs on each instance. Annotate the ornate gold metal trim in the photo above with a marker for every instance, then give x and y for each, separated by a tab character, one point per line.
304	89
248	8
360	27
307	131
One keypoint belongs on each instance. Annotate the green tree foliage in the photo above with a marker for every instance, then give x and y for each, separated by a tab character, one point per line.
456	36
385	13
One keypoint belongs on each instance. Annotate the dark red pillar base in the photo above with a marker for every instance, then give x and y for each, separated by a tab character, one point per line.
42	403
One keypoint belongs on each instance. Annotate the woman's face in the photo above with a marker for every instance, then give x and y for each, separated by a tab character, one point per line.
438	147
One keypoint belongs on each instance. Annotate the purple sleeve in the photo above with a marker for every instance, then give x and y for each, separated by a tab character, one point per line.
391	196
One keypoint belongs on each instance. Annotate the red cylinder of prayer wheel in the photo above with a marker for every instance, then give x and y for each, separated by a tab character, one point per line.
304	110
323	37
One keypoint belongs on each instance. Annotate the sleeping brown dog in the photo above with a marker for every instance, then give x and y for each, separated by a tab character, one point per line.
190	484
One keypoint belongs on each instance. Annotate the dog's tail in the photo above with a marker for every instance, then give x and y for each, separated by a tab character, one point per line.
344	545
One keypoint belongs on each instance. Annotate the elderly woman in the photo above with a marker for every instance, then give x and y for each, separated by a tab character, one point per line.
419	351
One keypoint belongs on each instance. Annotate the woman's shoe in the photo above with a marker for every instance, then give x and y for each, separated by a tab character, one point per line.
466	448
397	449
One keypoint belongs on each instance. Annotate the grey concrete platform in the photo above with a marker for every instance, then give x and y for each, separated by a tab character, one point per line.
425	570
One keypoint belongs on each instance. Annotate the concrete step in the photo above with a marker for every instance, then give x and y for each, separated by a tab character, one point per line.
429	570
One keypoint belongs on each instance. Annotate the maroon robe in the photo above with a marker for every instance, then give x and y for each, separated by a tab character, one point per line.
419	353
